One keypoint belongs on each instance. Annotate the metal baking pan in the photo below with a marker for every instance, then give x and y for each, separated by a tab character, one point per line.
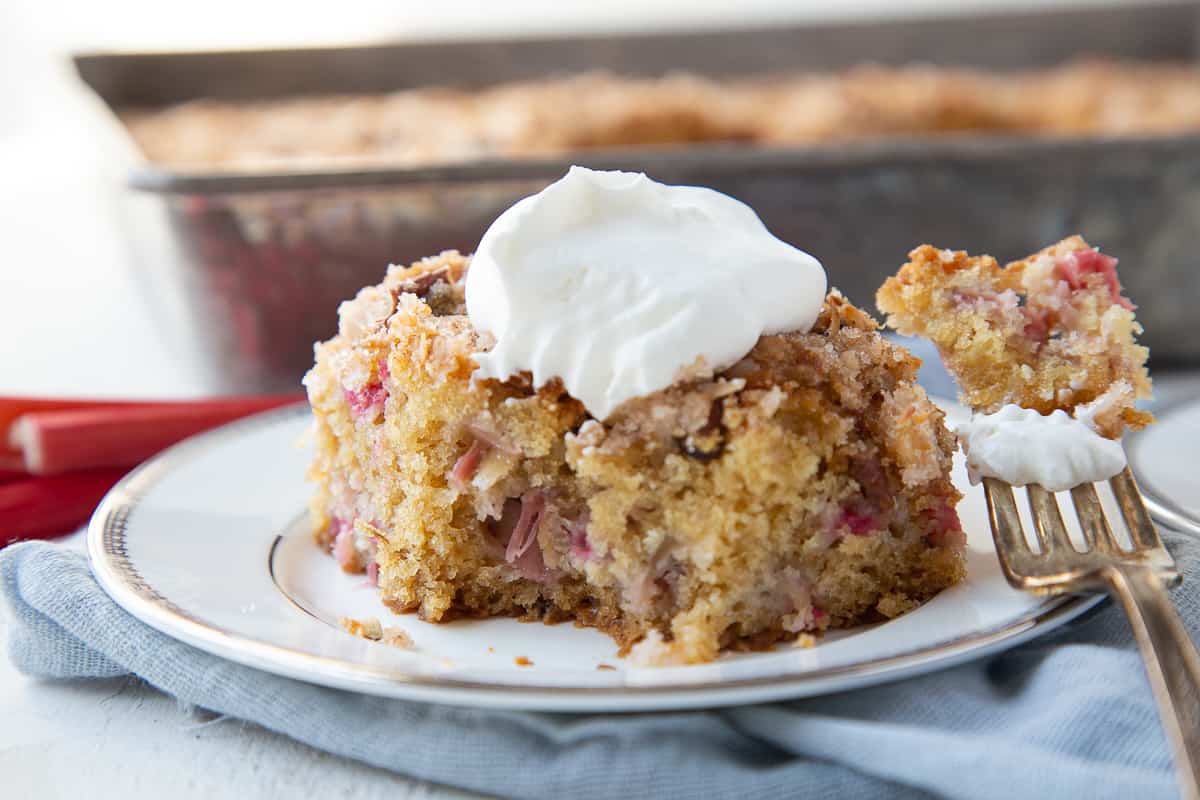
264	259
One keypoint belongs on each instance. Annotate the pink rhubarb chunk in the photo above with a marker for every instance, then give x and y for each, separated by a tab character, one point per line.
518	526
344	551
581	547
1037	325
1074	267
947	529
524	536
860	524
464	468
368	399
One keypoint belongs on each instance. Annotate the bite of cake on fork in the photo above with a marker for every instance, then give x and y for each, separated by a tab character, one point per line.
1045	354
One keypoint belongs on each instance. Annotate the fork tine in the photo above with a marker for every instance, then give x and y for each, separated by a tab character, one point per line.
1142	532
1091	519
1006	522
1047	520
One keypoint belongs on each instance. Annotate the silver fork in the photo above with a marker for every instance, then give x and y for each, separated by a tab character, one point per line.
1137	578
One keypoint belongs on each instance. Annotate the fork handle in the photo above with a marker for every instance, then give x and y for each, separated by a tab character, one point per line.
1172	665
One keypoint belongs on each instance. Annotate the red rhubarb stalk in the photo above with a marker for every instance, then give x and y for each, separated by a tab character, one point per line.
11	461
10	475
13	407
94	436
41	508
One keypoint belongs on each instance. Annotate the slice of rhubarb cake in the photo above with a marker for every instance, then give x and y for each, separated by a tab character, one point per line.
792	481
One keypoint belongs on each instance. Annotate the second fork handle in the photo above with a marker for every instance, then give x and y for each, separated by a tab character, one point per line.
1172	664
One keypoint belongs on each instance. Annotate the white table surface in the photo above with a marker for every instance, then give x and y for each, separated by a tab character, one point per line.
73	320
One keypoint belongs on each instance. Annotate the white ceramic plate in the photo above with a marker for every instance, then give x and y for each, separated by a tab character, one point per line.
1163	458
208	543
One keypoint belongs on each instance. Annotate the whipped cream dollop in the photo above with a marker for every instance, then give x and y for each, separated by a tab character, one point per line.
617	285
1021	446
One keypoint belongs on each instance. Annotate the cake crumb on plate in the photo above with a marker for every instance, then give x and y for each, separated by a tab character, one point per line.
396	637
369	629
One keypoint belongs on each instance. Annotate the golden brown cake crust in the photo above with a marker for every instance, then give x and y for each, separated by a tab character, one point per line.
1050	331
807	486
431	125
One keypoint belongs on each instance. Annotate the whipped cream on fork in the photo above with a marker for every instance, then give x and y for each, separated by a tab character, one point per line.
618	285
1021	446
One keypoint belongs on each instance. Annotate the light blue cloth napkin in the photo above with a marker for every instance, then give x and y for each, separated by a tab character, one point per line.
1067	716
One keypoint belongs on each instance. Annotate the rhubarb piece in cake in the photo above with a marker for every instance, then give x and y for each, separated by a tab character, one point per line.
803	485
1051	331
